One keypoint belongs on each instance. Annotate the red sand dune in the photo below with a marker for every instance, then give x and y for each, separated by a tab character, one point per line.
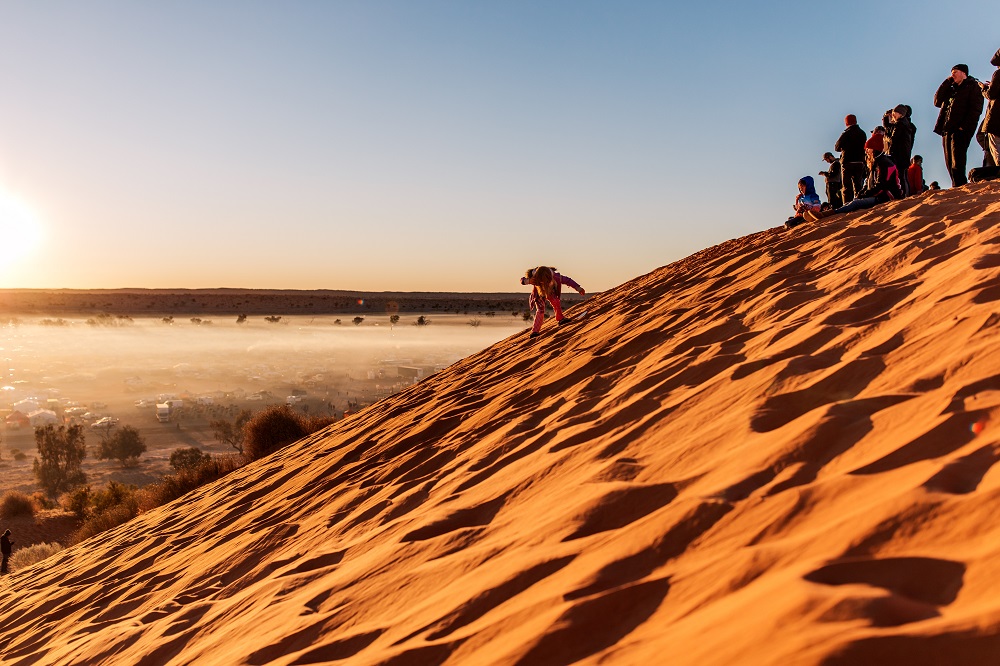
780	450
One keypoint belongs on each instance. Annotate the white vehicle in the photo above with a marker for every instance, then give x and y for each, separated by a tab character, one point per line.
163	412
106	422
293	400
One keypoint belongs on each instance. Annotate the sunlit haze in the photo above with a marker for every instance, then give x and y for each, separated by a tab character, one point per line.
432	145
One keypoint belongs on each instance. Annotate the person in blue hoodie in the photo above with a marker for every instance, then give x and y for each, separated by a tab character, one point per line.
807	200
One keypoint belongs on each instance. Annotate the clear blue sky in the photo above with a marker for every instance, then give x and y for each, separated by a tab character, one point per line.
427	145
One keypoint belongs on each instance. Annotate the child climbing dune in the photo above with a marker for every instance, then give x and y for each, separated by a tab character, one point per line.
546	285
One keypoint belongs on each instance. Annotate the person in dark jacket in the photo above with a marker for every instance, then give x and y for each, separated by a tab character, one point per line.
899	134
834	185
991	124
851	146
6	545
961	102
884	185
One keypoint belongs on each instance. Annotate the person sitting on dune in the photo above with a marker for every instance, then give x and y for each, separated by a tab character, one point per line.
546	285
883	184
806	201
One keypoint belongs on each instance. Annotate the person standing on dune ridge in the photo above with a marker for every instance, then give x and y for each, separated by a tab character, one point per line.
546	284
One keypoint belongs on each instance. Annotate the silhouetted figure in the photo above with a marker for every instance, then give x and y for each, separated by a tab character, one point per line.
961	102
834	184
6	545
851	146
934	187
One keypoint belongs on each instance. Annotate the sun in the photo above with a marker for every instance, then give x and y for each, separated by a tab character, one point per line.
20	231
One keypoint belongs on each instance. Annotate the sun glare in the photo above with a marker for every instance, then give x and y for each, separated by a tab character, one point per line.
20	232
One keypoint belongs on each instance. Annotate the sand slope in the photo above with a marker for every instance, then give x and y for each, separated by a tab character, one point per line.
780	450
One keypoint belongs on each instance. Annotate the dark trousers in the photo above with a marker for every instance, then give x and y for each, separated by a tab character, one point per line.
902	163
982	138
3	565
853	174
956	150
833	193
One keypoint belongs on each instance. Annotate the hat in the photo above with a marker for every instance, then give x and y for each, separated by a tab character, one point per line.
875	143
962	68
900	109
826	155
850	119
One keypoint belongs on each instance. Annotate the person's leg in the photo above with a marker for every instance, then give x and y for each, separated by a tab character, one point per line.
902	164
994	151
837	195
857	204
536	326
949	162
852	173
983	139
961	154
557	306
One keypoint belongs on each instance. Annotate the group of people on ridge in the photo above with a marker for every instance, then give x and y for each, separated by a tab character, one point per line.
880	168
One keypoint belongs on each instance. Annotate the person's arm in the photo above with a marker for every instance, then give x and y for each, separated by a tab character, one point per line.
992	91
570	282
943	93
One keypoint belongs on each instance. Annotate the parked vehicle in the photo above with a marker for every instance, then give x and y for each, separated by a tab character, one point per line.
163	412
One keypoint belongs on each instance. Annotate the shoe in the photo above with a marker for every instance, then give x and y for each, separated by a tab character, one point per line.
533	334
564	320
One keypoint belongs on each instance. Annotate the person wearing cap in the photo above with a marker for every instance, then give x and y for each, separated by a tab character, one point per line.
961	102
833	181
899	135
991	125
851	146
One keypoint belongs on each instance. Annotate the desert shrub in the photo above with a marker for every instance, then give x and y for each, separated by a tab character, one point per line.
78	501
187	479
43	501
187	457
15	503
105	520
25	557
231	432
18	455
275	428
109	507
61	451
125	446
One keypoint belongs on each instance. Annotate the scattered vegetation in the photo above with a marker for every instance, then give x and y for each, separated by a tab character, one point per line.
421	321
241	319
272	319
231	432
22	558
125	446
15	503
187	479
167	320
276	427
394	319
187	457
53	322
357	320
18	455
110	320
60	454
474	322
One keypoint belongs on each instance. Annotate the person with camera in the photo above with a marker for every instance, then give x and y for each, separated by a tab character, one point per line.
899	135
961	102
834	184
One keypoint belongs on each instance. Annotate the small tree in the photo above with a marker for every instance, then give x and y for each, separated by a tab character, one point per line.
357	320
187	458
241	319
60	454
125	446
394	319
231	432
422	321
